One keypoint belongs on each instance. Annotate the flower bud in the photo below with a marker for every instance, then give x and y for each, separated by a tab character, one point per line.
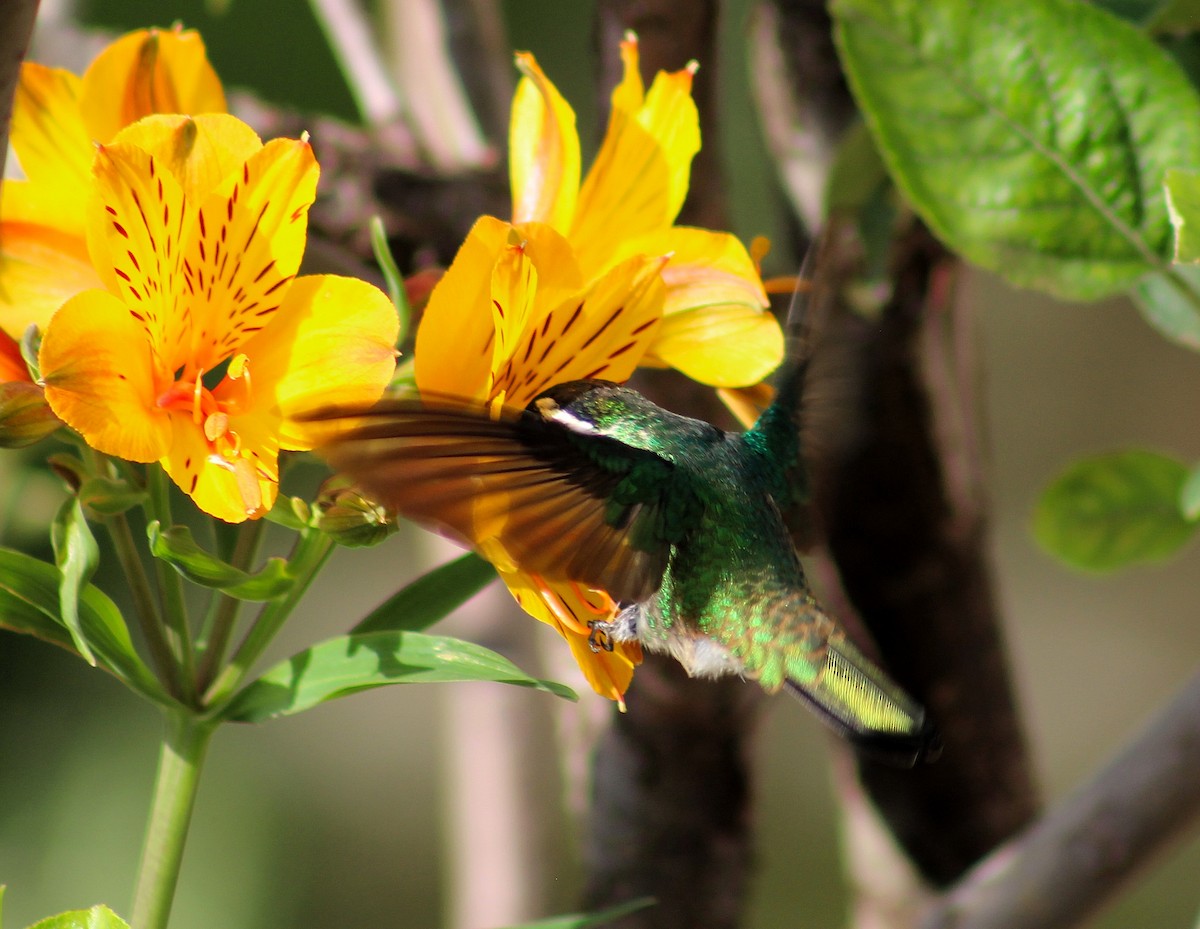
350	518
25	417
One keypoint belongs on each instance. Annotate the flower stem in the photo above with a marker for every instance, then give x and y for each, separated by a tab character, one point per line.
311	551
180	758
170	585
219	624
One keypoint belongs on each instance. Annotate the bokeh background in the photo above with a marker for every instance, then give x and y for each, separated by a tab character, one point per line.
350	815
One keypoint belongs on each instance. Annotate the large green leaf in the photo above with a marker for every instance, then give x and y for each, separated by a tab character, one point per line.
29	603
345	665
98	917
1032	135
1168	302
1114	510
430	597
177	548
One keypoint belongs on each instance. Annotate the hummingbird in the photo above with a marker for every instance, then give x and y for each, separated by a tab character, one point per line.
679	521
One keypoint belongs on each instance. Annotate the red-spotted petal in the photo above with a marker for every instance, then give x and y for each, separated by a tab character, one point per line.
101	379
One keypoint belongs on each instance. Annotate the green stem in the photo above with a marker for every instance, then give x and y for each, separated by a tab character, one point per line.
144	605
311	552
222	618
170	585
180	758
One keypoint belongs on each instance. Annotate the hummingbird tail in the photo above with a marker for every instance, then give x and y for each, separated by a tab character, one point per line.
858	701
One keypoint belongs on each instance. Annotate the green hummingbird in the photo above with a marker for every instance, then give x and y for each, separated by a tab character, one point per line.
679	521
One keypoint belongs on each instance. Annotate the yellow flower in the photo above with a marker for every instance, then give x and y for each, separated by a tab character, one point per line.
202	341
716	326
512	316
57	118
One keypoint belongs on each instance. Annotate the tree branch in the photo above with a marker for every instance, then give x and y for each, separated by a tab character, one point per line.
1081	854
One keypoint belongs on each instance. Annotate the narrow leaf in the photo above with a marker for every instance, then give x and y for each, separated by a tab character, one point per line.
345	665
29	603
432	596
177	547
392	277
590	920
1183	202
98	917
1114	510
1032	135
77	555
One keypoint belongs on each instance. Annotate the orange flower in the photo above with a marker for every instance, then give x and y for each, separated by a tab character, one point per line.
203	341
717	327
513	316
57	118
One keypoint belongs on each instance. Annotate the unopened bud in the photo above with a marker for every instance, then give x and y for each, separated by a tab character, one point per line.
25	417
350	518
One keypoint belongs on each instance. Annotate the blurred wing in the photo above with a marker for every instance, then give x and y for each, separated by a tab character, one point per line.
562	505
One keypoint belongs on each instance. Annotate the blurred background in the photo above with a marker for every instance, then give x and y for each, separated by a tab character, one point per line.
348	815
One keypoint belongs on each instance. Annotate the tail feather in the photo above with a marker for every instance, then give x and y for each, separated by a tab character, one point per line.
855	698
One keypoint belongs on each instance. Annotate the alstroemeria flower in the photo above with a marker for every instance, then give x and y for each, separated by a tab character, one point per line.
12	365
57	119
514	315
203	341
717	327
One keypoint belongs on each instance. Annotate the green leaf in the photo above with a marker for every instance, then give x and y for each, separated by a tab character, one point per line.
391	276
29	603
1189	495
98	917
177	548
77	555
1168	302
432	596
1032	135
108	497
589	920
1183	203
345	665
1114	510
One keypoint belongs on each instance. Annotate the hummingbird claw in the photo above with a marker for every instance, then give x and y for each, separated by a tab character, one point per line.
600	639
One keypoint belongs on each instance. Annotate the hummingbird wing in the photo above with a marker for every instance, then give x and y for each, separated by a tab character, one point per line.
559	504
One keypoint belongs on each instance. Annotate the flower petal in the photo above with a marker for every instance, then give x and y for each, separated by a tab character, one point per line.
146	72
248	242
453	351
201	152
233	489
99	375
640	177
717	325
12	365
568	608
332	342
136	220
48	133
41	264
543	150
601	333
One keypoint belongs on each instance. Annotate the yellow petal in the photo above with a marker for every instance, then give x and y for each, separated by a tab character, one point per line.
454	341
100	377
568	608
146	72
543	150
601	333
717	325
52	144
200	152
332	342
247	242
41	266
639	179
233	489
136	219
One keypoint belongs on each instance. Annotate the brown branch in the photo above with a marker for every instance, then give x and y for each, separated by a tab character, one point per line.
670	813
16	27
1081	854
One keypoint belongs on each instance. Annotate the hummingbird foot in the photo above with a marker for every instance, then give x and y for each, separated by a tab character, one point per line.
600	636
